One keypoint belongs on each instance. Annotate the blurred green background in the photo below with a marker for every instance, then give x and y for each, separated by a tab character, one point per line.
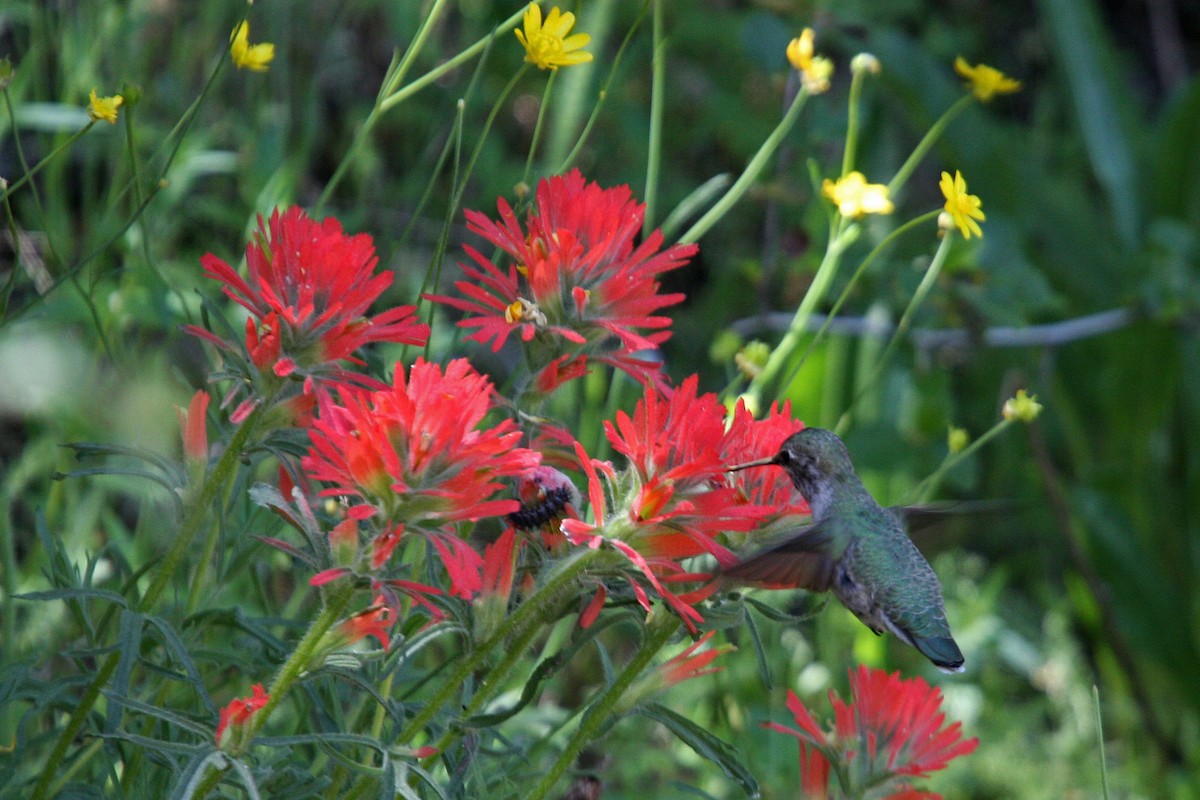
1090	178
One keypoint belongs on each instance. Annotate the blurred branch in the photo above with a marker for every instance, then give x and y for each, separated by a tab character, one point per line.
931	339
1056	496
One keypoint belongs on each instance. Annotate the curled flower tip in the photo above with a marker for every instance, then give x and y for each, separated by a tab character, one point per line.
104	108
985	82
254	57
547	44
964	209
854	197
800	50
1022	407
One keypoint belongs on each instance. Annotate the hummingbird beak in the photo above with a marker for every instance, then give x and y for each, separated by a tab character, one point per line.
762	462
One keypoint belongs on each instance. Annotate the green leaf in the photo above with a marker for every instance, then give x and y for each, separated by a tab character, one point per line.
721	753
1085	56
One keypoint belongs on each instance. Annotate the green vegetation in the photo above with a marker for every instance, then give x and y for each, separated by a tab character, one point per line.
145	588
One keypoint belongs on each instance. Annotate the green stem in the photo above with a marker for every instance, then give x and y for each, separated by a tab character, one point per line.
515	652
400	96
390	96
19	182
193	520
751	173
926	142
602	95
537	127
930	277
658	83
528	613
602	709
300	658
766	382
852	122
925	488
845	294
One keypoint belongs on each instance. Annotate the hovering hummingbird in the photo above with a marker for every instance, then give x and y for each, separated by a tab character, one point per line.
854	547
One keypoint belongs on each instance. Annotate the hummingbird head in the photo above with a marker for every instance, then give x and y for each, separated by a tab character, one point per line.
814	459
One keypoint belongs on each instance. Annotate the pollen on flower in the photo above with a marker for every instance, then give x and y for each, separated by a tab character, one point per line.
547	44
985	82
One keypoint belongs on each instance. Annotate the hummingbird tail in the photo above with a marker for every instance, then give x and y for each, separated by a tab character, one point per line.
942	651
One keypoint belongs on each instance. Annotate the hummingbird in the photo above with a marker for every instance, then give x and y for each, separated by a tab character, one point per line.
854	547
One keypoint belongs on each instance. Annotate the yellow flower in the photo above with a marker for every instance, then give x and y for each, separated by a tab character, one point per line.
854	197
985	82
800	50
963	208
104	108
547	45
1023	407
957	439
254	57
815	71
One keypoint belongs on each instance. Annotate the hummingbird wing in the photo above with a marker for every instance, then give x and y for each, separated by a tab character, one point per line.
800	561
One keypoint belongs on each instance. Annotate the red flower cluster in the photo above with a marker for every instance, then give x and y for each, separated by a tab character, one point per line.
678	498
575	276
898	722
308	292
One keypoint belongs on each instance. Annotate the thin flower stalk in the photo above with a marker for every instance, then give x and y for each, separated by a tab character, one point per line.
753	169
603	708
927	141
767	383
391	94
817	337
930	277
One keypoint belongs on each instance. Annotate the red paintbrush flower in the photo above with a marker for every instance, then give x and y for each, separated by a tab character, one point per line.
417	455
415	451
895	726
308	291
231	729
675	499
904	719
373	621
575	275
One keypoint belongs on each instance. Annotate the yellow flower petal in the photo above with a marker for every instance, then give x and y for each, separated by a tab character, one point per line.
800	50
104	108
546	43
254	57
985	82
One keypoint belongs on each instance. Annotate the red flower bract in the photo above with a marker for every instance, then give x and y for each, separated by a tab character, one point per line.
678	499
308	291
904	717
236	715
414	451
896	726
576	273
